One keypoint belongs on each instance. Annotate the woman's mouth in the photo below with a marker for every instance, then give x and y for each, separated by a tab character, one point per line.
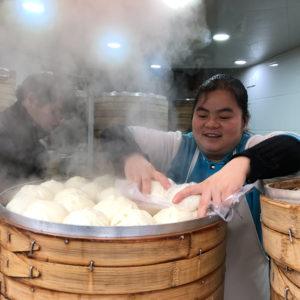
212	135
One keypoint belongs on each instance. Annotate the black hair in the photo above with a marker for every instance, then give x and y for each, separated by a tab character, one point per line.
43	85
49	88
230	84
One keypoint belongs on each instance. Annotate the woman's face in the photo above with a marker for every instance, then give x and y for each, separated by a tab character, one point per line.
217	124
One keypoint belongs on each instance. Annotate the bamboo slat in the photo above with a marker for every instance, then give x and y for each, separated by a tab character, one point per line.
113	252
209	287
109	280
281	216
291	274
275	296
16	241
281	248
7	88
281	285
16	266
181	115
130	110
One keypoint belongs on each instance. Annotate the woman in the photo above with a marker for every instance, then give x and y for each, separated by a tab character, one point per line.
214	155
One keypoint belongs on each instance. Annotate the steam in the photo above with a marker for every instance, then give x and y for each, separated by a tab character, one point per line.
71	37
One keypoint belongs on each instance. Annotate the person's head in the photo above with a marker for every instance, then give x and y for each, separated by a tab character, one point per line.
44	97
220	115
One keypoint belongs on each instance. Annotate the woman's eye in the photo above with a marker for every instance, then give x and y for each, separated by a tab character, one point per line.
225	117
202	116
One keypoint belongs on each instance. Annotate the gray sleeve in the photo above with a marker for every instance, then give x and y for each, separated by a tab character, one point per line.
160	146
255	139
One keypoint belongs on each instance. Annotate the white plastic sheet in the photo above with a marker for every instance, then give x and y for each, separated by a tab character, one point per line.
155	203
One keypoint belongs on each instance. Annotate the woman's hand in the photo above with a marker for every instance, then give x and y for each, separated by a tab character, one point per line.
139	170
219	186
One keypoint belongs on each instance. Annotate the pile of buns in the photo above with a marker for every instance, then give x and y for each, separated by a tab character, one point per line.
96	202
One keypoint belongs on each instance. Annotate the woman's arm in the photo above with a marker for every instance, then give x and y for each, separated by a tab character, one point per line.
276	156
139	170
143	154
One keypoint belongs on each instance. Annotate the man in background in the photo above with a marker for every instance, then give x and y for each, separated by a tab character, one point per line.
43	100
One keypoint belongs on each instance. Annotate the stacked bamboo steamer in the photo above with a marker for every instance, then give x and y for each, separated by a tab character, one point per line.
7	88
280	212
43	260
126	108
181	115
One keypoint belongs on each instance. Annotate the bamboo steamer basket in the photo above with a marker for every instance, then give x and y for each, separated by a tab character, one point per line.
280	213
43	260
280	208
181	115
7	88
139	109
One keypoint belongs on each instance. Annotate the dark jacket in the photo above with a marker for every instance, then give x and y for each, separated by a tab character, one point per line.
22	156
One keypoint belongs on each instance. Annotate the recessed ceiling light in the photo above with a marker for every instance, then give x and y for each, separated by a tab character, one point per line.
114	45
33	6
175	4
220	37
154	66
273	65
240	62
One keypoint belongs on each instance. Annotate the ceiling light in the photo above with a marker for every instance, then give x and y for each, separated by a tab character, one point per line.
175	4
240	62
33	6
155	66
114	45
273	65
220	37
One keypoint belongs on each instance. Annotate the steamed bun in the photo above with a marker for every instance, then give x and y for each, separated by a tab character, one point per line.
86	217
36	191
53	185
189	203
108	193
93	190
19	204
73	199
132	217
157	189
172	215
46	211
111	206
76	182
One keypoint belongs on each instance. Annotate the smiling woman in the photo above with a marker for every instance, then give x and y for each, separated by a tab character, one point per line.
219	156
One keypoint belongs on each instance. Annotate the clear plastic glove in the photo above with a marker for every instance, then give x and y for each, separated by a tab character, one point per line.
218	187
140	171
226	210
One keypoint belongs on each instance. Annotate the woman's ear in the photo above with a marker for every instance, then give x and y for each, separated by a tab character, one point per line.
246	121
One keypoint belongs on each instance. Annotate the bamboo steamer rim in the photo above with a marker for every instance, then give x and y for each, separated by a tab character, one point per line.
284	190
76	231
129	95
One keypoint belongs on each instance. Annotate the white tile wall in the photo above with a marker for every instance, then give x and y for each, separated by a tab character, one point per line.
274	94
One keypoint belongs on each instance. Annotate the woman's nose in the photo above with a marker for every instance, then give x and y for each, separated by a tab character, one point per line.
212	123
